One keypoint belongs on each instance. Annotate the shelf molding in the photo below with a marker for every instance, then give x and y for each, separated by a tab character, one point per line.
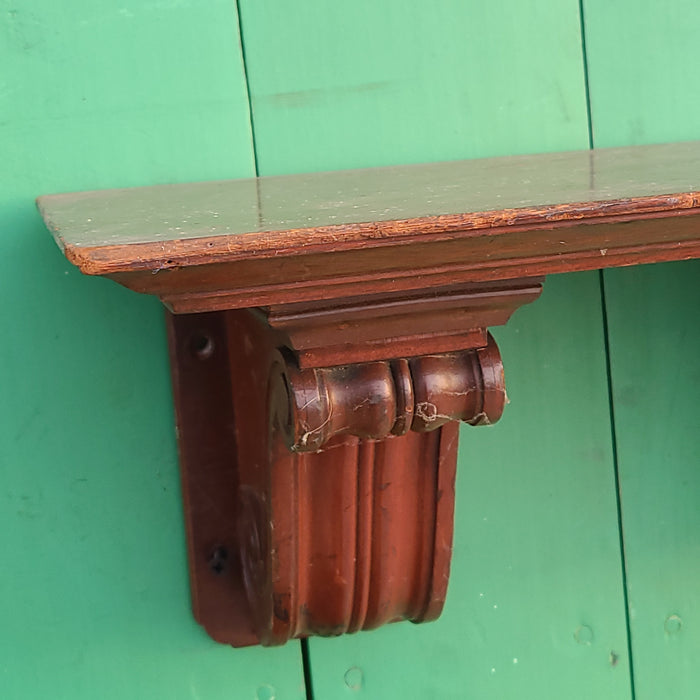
327	334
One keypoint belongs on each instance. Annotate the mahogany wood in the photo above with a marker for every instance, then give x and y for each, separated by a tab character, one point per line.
376	400
210	481
393	325
284	542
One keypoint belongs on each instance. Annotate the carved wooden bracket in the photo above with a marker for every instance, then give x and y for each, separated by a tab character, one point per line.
330	331
319	499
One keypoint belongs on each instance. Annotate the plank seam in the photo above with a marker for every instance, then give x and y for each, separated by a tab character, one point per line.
586	82
251	116
306	665
616	469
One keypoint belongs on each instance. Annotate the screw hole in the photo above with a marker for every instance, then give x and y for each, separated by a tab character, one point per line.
203	346
217	560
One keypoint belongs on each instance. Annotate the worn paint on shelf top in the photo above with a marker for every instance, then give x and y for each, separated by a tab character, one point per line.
470	194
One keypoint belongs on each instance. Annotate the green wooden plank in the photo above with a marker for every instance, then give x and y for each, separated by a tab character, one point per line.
534	607
642	56
94	596
343	85
654	320
639	57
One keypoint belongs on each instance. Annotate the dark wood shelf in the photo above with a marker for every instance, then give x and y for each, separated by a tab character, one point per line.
240	243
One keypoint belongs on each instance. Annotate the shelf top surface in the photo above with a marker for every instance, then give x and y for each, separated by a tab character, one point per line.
261	215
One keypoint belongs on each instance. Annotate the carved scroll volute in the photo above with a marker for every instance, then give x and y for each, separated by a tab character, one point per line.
375	400
360	400
467	386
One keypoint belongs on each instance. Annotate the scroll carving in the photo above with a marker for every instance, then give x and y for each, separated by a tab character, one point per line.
375	400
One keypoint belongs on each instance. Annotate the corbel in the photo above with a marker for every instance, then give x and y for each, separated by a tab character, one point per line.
328	332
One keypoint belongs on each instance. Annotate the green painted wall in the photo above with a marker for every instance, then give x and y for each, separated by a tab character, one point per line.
553	582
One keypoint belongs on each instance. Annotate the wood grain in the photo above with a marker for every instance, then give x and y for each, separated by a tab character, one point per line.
394	325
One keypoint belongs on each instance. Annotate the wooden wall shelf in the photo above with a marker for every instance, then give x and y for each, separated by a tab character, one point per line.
327	333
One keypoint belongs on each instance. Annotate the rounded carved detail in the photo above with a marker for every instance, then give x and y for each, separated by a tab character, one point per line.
374	400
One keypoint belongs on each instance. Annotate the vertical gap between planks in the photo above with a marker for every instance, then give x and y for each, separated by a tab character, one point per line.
618	493
608	368
306	662
586	86
244	57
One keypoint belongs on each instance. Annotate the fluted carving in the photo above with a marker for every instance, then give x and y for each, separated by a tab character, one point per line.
349	538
